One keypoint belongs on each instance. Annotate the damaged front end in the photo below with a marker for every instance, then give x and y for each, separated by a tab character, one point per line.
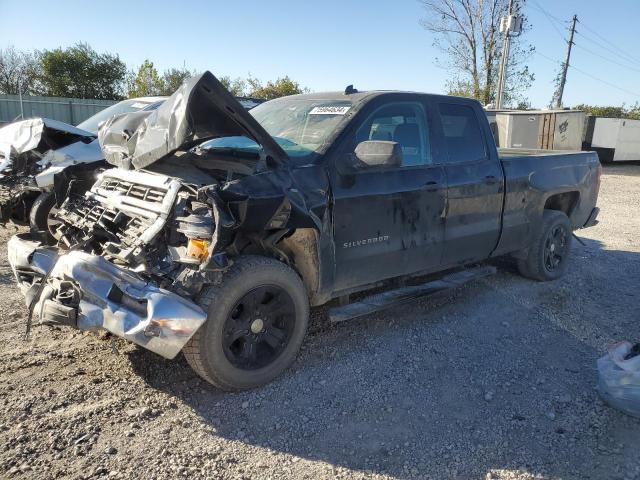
27	149
135	251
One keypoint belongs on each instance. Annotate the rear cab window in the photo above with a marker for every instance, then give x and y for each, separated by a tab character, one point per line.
462	134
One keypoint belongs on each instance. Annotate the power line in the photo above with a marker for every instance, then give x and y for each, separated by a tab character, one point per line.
553	20
635	94
544	10
550	18
631	57
547	58
610	50
606	58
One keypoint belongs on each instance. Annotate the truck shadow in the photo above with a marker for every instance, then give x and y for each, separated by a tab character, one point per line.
496	375
627	169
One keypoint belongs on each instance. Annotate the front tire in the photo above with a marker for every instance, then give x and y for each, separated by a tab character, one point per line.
257	320
42	216
548	255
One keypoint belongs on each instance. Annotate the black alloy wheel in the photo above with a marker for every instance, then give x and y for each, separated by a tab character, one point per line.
555	249
259	327
547	256
257	317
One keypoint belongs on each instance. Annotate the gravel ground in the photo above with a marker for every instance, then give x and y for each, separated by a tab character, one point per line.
494	380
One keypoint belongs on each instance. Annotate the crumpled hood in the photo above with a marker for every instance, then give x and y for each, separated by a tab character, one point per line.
201	109
40	135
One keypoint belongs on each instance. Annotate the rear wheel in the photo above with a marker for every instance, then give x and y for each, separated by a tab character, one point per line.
257	319
548	254
42	217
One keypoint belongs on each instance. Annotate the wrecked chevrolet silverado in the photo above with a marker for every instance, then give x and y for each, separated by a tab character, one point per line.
218	228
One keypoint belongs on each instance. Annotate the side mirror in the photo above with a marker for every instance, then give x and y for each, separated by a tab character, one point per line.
379	153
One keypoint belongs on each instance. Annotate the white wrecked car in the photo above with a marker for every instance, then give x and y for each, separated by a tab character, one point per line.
42	159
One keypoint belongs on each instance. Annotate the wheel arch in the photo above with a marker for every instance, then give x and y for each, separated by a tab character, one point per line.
565	202
300	250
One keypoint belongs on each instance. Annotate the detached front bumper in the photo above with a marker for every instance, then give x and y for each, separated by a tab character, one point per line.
90	293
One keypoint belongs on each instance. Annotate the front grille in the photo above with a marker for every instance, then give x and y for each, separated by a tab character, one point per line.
130	189
88	214
124	209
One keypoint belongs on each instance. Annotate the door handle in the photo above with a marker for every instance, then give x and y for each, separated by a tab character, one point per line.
432	186
490	179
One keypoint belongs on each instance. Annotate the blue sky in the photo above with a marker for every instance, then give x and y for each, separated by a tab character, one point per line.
328	44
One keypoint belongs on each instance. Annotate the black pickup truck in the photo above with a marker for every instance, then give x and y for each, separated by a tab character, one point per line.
219	228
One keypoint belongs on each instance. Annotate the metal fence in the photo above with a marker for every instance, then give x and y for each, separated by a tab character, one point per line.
69	110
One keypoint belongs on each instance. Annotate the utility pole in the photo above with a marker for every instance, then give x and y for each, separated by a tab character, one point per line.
510	25
565	65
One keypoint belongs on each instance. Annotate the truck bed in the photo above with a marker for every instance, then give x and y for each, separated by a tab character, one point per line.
533	152
532	177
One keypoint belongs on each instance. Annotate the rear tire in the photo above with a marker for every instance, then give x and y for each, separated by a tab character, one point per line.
40	217
548	255
269	335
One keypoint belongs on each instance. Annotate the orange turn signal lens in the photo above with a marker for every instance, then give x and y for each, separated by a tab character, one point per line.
198	249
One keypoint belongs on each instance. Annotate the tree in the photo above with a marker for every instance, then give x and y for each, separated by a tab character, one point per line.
622	111
146	82
173	78
80	71
18	71
280	88
468	33
236	86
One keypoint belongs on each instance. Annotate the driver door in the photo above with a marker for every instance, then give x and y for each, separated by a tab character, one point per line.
388	221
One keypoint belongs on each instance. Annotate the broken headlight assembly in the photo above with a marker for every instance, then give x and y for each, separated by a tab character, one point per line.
197	227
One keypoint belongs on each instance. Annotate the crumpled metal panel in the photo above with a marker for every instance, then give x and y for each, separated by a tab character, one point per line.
62	158
201	109
40	134
163	322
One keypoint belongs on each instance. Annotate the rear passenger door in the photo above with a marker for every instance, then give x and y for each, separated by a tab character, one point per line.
475	184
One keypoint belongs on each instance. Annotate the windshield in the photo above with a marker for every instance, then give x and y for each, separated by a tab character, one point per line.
126	106
301	126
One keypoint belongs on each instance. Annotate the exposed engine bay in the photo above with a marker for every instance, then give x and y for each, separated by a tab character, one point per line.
159	222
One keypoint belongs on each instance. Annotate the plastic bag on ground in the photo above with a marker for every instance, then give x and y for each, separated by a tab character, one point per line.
619	378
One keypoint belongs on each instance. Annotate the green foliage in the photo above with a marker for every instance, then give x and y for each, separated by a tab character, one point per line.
79	71
622	111
459	89
237	86
252	87
146	82
173	78
280	88
18	71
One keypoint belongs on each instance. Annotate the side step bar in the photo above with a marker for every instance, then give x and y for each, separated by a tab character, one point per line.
392	298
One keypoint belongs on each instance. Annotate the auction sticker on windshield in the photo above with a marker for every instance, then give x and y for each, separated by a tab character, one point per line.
330	110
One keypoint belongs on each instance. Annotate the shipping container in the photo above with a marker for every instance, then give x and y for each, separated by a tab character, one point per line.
539	129
615	139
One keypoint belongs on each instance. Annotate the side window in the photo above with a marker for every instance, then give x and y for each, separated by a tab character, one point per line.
462	134
405	123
